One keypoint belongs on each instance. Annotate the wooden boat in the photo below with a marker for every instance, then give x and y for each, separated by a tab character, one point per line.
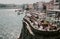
44	33
38	34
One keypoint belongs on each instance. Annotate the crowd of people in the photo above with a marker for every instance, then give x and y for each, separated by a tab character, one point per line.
40	22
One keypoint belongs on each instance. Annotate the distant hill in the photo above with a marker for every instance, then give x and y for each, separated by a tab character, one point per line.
10	6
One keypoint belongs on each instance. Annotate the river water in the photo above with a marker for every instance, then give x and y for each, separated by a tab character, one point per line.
10	24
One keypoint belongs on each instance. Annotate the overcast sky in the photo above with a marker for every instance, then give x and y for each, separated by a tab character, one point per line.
20	1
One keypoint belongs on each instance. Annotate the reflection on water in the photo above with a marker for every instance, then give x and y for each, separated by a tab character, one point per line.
10	24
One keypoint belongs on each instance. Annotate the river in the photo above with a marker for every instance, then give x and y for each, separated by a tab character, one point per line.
10	24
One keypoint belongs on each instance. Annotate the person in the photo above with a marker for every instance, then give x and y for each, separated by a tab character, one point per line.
52	26
28	14
41	27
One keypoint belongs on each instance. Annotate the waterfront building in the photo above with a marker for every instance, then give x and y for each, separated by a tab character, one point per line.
49	5
56	4
53	4
38	6
35	6
30	6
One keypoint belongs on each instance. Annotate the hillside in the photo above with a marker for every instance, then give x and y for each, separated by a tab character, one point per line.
9	6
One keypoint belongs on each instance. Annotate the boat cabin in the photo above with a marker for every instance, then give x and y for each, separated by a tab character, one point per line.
54	15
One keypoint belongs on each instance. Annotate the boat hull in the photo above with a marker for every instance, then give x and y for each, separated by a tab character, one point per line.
38	34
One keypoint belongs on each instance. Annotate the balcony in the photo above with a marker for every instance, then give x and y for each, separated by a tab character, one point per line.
56	3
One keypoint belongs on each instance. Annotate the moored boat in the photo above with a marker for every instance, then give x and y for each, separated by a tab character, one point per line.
31	29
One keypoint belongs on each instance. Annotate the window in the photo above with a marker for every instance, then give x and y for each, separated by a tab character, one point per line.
57	0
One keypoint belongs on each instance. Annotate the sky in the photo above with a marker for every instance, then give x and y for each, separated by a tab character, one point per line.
21	1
